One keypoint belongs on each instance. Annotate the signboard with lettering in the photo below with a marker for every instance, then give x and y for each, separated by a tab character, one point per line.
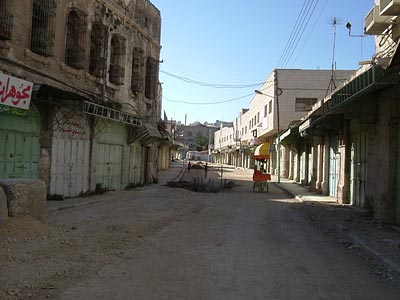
15	92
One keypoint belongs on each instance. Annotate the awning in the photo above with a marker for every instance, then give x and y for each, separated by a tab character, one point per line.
146	134
290	136
355	88
262	151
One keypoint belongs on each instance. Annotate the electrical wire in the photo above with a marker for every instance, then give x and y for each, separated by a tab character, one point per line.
213	85
208	103
298	30
291	36
301	34
311	31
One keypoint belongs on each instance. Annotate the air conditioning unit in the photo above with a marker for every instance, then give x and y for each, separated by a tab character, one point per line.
375	24
389	7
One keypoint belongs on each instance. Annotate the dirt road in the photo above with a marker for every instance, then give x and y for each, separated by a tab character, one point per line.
168	243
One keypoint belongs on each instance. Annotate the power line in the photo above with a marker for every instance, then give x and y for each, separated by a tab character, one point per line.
209	84
298	30
311	31
302	32
291	36
208	103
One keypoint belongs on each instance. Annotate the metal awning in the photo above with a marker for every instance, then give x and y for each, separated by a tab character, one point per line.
365	83
146	134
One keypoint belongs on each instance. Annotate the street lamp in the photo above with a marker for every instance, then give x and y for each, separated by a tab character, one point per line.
278	145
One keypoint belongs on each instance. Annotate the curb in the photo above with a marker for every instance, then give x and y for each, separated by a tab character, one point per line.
388	265
289	192
379	258
69	206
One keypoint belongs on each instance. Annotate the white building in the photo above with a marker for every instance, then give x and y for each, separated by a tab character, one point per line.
286	95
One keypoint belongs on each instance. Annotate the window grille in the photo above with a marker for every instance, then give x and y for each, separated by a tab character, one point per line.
42	34
137	77
6	19
151	73
117	70
98	44
76	29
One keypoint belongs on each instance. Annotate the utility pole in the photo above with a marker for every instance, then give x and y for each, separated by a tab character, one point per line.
278	92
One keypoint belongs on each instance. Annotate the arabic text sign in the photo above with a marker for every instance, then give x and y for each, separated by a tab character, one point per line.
15	92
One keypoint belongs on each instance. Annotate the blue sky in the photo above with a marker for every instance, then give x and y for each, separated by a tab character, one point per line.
236	43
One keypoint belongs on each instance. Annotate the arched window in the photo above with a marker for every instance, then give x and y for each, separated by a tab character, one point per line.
98	44
76	29
42	34
117	58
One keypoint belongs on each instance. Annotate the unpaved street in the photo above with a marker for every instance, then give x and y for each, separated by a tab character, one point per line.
164	243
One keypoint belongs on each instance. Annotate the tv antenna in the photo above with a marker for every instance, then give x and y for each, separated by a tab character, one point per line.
332	84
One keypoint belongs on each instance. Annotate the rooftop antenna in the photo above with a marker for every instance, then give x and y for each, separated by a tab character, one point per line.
332	84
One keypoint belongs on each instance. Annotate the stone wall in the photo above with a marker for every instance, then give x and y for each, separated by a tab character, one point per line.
25	197
3	207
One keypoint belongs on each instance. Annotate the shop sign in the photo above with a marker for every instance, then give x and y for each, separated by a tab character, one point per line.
13	111
15	92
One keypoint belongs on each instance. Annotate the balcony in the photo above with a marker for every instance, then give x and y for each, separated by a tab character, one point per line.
375	24
389	7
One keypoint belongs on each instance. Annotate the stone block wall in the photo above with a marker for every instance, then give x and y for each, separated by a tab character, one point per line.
3	207
25	197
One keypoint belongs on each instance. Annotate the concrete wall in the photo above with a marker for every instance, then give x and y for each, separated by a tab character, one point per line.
382	155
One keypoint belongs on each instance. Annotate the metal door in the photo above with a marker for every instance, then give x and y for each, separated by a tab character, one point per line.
19	144
334	167
358	169
135	162
70	154
109	165
19	155
69	167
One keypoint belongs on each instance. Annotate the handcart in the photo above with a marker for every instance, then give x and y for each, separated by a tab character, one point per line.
260	175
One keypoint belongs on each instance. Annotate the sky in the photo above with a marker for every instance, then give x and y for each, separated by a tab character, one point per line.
217	52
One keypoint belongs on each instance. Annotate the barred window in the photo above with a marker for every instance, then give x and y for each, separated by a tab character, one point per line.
6	20
98	44
117	70
137	74
151	78
305	104
42	34
76	30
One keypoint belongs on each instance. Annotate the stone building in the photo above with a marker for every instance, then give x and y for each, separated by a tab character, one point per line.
287	95
90	69
348	146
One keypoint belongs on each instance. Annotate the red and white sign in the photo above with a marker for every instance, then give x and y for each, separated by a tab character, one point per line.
15	92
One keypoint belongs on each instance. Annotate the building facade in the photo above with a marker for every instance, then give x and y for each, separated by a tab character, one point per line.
95	95
195	137
348	146
286	96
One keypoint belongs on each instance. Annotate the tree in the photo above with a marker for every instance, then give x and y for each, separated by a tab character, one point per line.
201	143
